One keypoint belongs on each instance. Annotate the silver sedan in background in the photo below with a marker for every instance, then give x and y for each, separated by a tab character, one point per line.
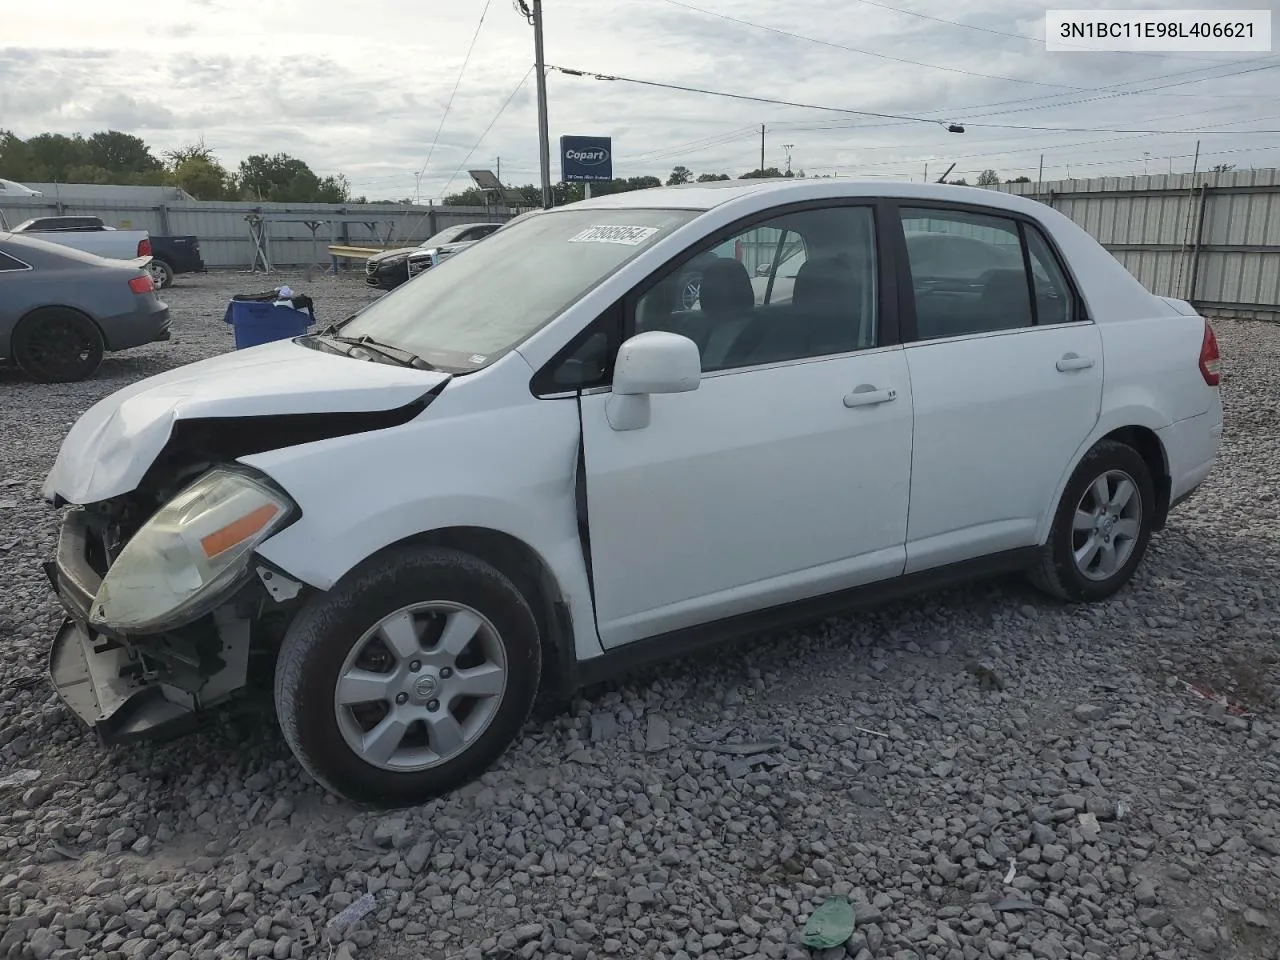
61	309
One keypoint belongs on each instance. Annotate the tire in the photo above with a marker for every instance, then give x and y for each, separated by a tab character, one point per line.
161	273
1114	546
57	345
334	636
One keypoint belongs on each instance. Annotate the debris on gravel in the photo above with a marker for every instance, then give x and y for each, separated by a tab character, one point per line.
706	808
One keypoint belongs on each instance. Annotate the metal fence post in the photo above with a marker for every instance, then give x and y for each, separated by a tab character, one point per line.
1198	242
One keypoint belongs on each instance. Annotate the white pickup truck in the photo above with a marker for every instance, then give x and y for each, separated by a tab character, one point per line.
88	234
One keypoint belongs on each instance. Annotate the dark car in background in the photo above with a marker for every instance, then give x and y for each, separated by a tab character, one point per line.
169	255
61	308
390	268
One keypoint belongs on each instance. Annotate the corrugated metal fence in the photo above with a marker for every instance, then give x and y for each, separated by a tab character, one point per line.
224	232
1211	238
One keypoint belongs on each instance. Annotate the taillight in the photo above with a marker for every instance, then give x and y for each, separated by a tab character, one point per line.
1210	359
142	284
144	247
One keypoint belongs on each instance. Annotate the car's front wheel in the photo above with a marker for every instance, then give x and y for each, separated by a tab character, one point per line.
1102	526
408	678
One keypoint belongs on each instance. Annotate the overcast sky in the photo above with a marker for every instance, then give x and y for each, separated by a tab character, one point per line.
361	88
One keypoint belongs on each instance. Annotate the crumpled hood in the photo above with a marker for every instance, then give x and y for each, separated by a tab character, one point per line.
112	445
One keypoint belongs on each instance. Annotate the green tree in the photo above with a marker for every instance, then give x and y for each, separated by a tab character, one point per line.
192	151
335	188
679	175
51	156
204	178
988	178
765	174
712	177
281	178
1019	180
120	153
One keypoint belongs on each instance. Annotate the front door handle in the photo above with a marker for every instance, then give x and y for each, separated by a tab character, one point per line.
1073	361
868	395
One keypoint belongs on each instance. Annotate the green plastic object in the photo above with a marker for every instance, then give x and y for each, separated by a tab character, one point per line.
831	924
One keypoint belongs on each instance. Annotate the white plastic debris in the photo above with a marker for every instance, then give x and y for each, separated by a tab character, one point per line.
1013	870
1122	809
352	914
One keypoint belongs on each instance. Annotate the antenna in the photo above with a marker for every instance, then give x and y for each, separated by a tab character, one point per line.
943	178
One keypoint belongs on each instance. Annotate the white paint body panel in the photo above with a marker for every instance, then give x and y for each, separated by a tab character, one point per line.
996	424
757	488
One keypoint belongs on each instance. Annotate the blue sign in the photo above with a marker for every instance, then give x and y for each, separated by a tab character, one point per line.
586	159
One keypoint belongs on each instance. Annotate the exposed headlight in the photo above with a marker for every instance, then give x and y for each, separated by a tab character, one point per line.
196	548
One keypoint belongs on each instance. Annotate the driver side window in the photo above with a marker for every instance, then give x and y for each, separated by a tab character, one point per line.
801	285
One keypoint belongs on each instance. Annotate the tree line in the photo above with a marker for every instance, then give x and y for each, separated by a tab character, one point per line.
110	156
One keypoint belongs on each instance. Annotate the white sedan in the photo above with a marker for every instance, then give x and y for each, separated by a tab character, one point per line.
540	464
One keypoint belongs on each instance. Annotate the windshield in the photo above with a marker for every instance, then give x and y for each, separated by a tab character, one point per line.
447	235
466	311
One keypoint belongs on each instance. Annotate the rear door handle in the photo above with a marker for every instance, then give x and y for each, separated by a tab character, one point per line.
1073	361
868	395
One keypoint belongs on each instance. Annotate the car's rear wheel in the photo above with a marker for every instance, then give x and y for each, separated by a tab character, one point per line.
57	345
1102	526
409	678
161	273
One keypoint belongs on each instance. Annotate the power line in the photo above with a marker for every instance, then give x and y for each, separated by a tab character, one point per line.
955	128
449	104
743	96
502	109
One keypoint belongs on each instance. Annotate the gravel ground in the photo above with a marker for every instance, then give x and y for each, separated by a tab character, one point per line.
983	773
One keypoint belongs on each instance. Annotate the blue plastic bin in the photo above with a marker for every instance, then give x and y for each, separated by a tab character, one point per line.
256	322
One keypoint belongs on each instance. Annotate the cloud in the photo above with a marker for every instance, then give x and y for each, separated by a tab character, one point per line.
364	95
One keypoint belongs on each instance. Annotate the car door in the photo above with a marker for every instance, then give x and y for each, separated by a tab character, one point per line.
1006	375
785	474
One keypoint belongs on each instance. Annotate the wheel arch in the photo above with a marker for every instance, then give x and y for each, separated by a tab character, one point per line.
1135	428
533	577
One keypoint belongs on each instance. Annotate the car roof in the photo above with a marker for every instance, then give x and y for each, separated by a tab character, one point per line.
770	192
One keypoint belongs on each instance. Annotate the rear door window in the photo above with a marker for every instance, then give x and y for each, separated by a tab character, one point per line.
967	273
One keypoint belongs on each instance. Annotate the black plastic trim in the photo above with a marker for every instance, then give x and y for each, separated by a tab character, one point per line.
632	656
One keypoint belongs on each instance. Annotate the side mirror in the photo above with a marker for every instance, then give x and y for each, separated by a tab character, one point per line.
649	363
763	269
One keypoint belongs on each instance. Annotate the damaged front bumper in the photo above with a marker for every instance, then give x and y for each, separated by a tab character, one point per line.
128	688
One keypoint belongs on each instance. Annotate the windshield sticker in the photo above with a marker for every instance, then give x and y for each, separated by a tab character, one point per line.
477	358
631	236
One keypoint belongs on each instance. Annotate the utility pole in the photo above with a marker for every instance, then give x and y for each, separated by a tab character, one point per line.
762	149
788	147
1040	175
544	140
926	173
499	173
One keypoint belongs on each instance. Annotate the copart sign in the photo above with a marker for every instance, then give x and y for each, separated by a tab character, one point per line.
587	159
